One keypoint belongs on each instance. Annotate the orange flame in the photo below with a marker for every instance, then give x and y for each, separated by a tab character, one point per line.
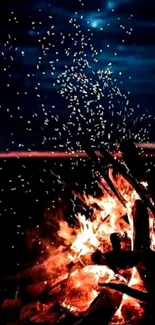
129	304
72	261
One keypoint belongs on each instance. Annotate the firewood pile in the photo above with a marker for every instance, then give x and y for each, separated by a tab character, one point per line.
102	270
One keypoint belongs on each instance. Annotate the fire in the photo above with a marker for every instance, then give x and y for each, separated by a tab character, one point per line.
72	262
82	287
130	306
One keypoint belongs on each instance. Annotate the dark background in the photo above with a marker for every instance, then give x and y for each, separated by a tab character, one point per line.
34	115
33	58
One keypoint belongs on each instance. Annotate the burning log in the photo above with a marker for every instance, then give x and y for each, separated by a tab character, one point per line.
9	310
121	169
98	258
140	227
123	259
37	313
132	159
127	259
143	296
115	241
44	291
108	185
34	276
102	308
40	278
142	256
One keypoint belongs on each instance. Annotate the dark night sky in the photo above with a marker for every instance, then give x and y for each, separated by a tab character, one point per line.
34	56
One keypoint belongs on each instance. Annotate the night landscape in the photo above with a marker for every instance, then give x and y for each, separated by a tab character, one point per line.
77	157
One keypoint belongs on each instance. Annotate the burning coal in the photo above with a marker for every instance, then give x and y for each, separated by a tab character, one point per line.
101	269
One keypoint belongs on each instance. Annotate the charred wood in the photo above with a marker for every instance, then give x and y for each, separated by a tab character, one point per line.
10	310
102	308
115	241
151	183
140	227
123	259
121	169
132	159
140	295
99	170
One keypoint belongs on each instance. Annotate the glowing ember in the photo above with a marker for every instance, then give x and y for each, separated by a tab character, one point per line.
130	307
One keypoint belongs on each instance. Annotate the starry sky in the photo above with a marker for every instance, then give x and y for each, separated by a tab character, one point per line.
73	65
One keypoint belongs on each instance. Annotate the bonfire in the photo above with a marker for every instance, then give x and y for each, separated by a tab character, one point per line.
102	269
